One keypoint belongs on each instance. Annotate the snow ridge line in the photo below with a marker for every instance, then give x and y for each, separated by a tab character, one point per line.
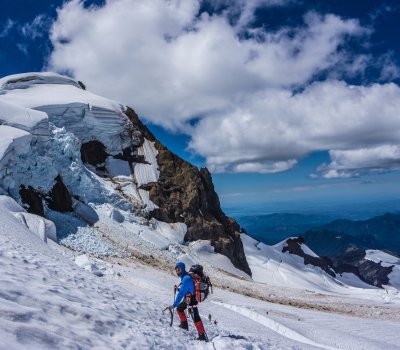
273	325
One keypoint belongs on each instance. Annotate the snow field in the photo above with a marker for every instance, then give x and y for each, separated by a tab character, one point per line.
48	301
52	297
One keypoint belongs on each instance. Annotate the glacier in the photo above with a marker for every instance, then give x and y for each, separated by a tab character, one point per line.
93	269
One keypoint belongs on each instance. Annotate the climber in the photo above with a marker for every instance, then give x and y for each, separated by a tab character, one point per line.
186	299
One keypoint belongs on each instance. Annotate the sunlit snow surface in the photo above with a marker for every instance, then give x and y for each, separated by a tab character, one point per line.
93	292
271	266
51	298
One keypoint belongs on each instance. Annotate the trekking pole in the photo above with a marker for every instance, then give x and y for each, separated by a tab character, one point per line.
172	315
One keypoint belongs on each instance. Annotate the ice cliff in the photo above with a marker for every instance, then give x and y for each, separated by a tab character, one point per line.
82	160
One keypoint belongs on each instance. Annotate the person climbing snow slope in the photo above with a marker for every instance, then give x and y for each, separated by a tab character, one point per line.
186	299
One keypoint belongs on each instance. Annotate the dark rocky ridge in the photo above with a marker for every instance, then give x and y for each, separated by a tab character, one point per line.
368	271
294	247
186	194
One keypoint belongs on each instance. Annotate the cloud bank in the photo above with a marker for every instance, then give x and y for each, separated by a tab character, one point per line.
255	96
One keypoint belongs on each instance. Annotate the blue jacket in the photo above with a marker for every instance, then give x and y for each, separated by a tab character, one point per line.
187	285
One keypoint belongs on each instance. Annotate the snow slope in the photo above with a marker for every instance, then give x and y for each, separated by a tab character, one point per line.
271	266
50	300
20	117
106	285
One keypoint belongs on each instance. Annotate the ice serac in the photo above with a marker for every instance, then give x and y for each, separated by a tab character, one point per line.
94	156
183	193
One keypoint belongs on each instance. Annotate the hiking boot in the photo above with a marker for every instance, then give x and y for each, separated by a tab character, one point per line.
202	337
184	325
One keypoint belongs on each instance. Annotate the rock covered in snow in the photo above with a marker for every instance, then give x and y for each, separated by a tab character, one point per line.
72	150
117	216
41	227
284	265
374	267
96	267
296	246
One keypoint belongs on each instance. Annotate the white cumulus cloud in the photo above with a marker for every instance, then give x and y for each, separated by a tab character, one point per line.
278	126
174	64
349	163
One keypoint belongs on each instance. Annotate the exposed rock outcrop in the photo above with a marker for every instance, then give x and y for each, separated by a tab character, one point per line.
127	168
59	198
94	153
367	270
186	194
32	200
294	247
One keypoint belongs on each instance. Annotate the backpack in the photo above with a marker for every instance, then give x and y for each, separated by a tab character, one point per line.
202	283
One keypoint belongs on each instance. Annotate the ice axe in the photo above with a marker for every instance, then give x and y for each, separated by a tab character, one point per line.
172	315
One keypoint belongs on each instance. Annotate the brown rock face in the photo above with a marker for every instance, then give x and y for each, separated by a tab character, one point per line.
186	194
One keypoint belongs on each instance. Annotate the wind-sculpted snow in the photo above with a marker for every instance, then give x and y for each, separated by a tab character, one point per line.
26	80
20	117
39	226
13	140
32	90
70	117
147	172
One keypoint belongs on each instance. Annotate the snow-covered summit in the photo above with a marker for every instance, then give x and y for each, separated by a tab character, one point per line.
20	117
26	80
34	90
82	160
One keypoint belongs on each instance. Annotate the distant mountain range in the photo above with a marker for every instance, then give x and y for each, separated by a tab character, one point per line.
339	236
326	237
273	228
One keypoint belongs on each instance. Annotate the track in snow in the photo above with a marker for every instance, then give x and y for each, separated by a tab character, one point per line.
274	325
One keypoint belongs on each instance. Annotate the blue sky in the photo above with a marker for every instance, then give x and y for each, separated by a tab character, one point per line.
284	101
